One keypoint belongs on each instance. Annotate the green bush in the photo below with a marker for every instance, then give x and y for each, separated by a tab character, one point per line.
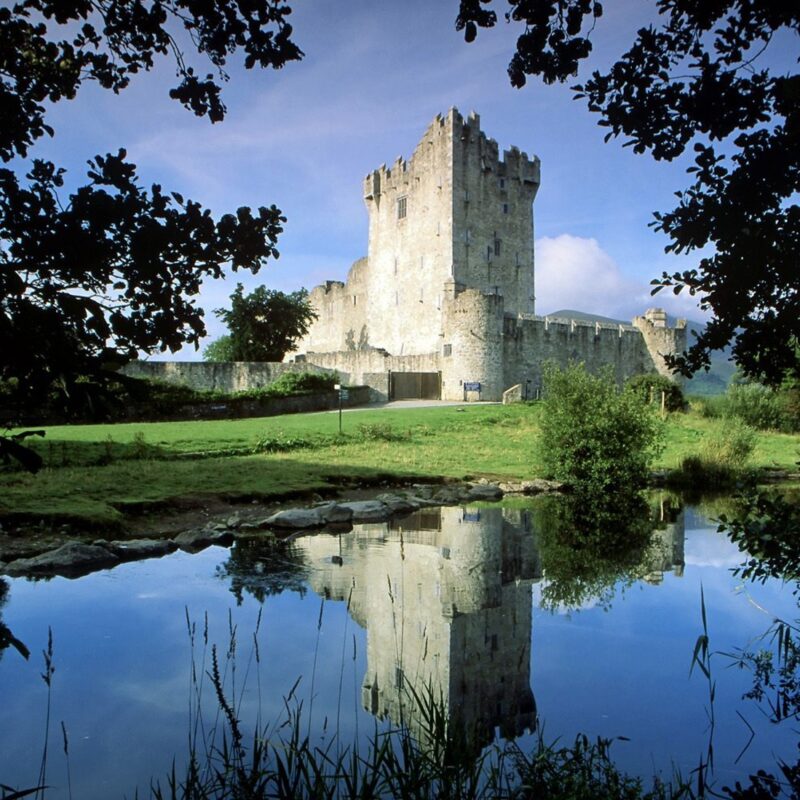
219	350
763	408
650	387
593	435
302	383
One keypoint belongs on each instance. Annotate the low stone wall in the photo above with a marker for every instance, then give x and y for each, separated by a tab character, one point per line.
222	376
239	408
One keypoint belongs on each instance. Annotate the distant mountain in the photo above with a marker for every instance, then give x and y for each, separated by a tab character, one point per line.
715	381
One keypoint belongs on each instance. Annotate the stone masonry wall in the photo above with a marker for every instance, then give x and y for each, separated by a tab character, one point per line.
448	284
484	345
493	216
224	376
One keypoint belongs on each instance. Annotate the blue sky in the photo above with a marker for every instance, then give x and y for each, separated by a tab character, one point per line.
374	75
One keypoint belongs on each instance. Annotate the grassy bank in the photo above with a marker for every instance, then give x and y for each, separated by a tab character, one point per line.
95	471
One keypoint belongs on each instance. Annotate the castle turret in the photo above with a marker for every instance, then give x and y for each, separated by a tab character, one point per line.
472	349
661	339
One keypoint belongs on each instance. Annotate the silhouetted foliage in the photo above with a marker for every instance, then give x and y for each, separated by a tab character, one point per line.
89	280
110	41
692	79
265	324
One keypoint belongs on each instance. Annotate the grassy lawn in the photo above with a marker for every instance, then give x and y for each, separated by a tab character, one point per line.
93	471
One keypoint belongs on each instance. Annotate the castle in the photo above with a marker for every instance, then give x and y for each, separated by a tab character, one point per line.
443	304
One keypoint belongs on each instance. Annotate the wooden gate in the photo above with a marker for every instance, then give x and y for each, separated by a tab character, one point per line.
415	386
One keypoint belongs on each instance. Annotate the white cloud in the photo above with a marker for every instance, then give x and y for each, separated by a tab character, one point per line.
576	273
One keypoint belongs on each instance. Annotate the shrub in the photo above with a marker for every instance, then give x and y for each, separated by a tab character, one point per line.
761	407
650	387
302	382
380	432
594	436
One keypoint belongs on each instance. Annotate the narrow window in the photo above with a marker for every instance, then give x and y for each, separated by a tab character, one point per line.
502	183
402	207
505	208
396	299
421	295
466	195
355	299
447	350
395	265
497	247
489	253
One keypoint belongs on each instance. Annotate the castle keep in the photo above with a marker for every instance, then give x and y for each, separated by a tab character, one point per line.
443	304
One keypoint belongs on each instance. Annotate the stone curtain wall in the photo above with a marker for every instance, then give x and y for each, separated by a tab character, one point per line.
483	345
529	343
224	376
372	367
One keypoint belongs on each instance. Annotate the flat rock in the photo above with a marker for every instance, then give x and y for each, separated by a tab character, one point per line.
450	496
71	560
194	541
535	486
133	549
334	513
398	504
233	521
485	491
296	519
368	510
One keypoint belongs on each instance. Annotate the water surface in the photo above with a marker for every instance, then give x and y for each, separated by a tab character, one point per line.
483	605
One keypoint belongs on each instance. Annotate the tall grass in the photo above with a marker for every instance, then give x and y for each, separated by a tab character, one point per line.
722	460
283	760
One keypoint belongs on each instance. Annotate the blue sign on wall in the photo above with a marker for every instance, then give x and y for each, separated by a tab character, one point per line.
471	387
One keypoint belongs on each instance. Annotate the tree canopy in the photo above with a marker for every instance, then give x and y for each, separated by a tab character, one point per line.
90	279
265	324
698	79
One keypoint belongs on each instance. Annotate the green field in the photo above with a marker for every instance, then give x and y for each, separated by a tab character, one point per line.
94	471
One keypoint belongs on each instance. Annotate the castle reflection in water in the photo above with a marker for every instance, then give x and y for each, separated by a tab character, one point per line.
445	596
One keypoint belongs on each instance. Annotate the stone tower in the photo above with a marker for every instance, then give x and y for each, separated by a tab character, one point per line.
454	215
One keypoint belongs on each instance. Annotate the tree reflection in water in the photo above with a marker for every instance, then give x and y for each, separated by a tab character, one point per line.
264	566
6	637
590	545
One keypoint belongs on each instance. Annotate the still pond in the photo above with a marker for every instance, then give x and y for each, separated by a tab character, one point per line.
512	626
